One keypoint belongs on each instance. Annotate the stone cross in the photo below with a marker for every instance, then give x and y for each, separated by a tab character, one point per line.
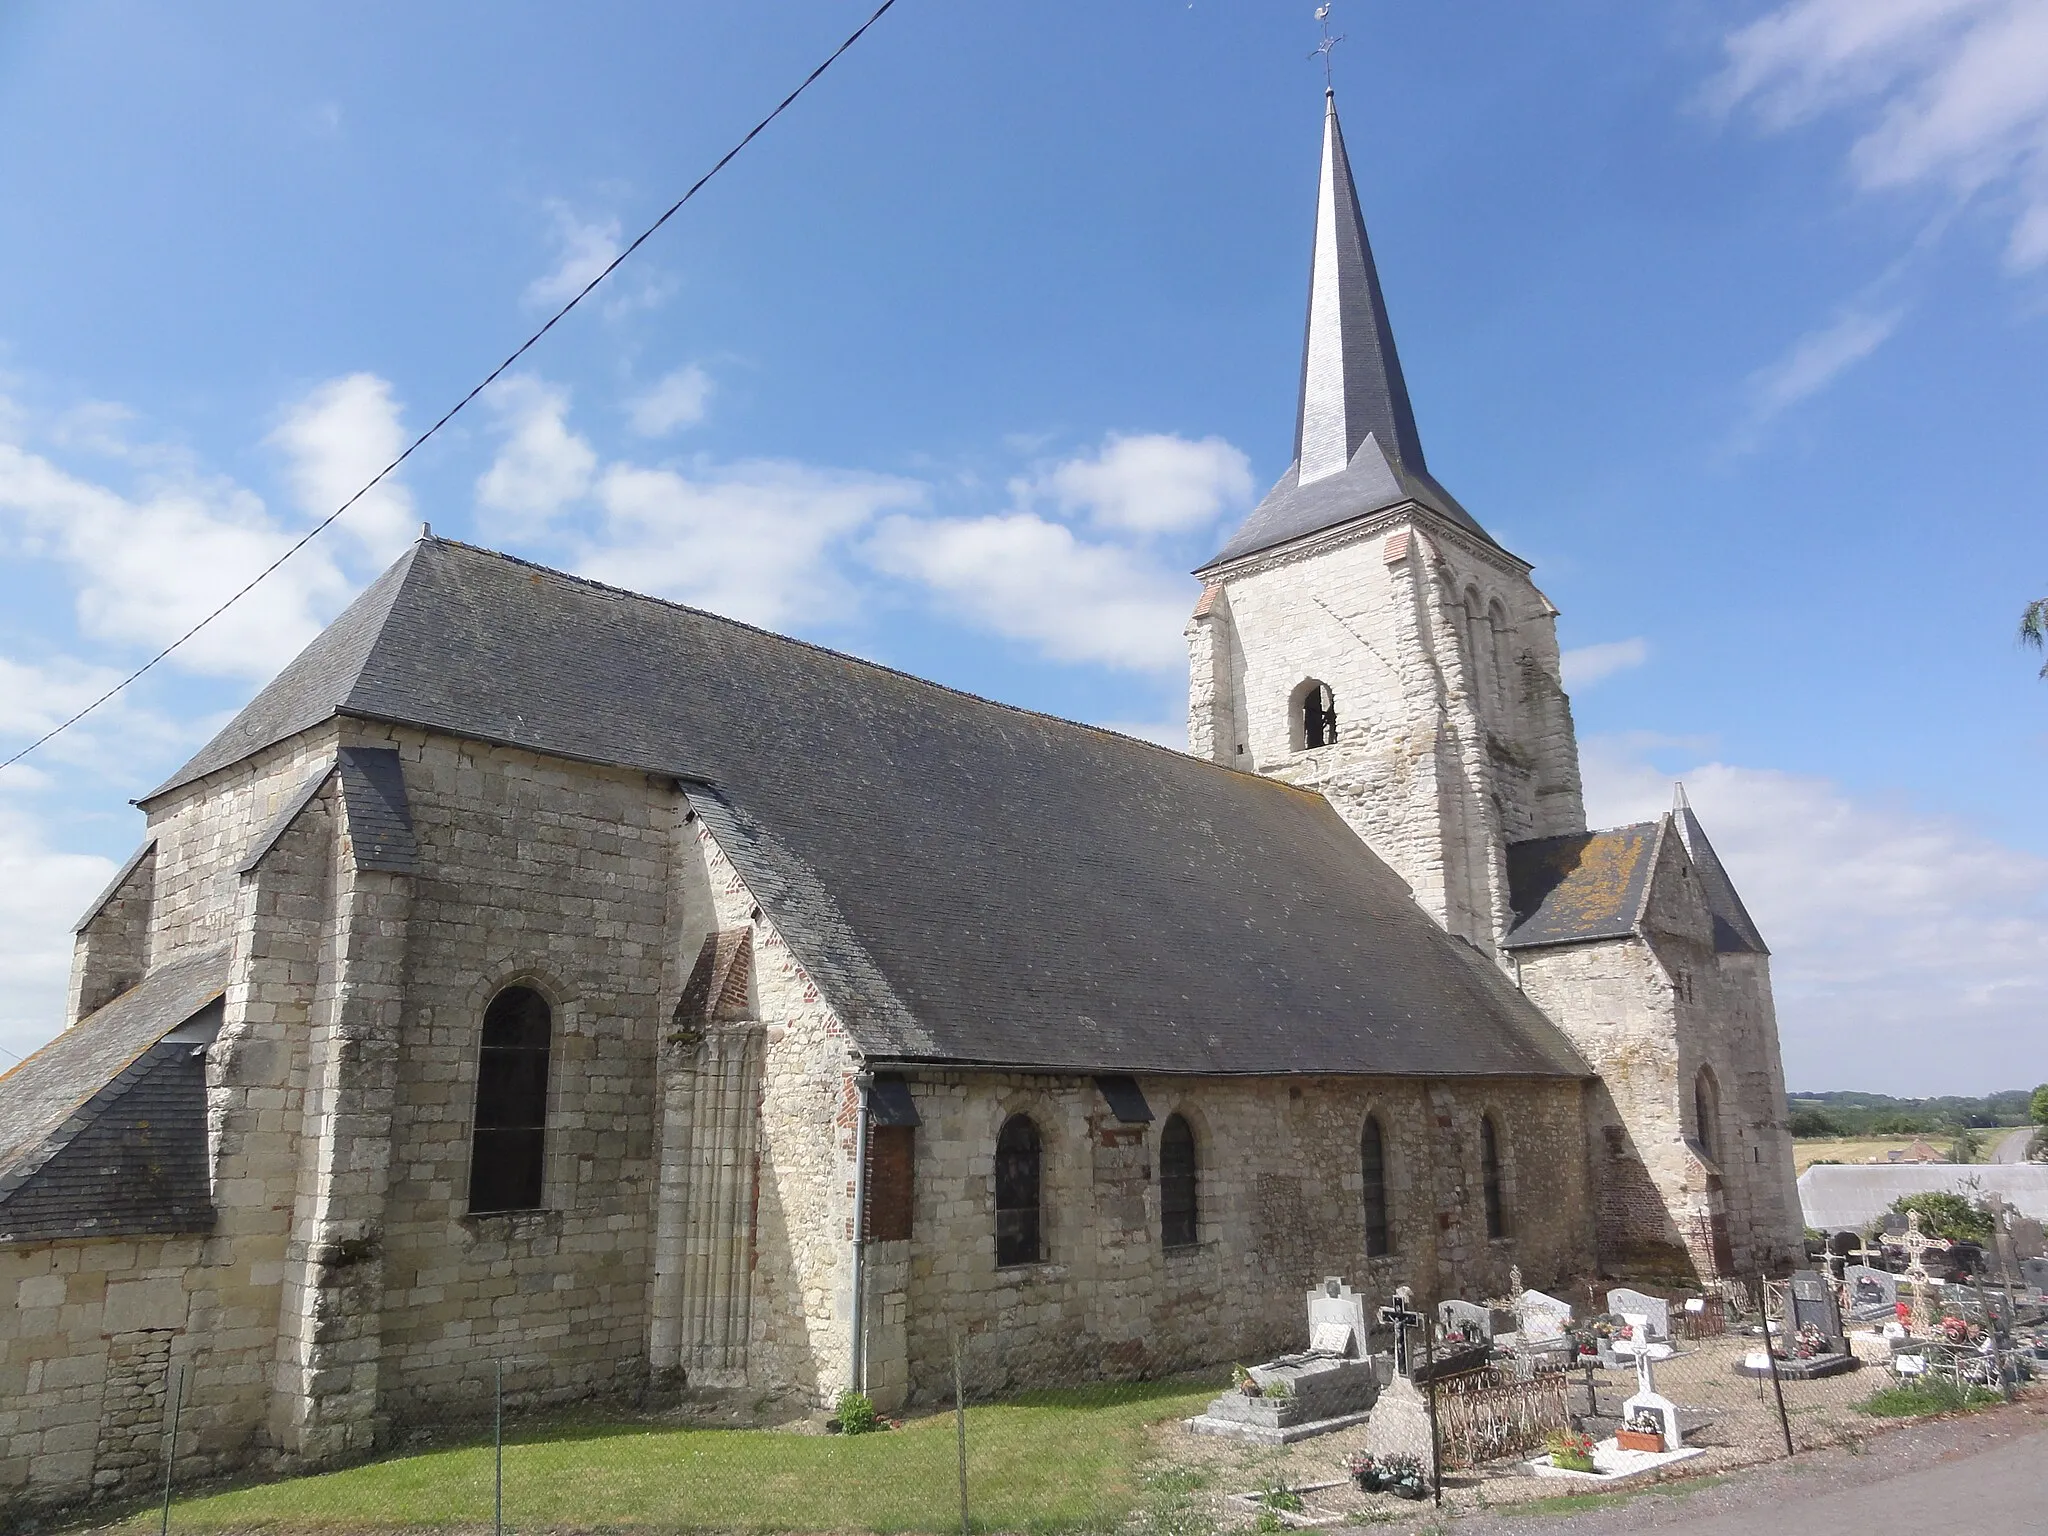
1401	1317
1916	1243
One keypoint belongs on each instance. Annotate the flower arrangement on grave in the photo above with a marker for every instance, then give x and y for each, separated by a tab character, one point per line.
1399	1475
1246	1382
1809	1342
1641	1431
1570	1450
1959	1330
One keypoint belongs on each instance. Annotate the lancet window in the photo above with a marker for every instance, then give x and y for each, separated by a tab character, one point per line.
1315	716
1372	1162
508	1158
1020	1168
1179	1195
1489	1178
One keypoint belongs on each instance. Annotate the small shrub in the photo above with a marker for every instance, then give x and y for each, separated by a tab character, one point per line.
1279	1391
857	1414
1925	1395
1280	1496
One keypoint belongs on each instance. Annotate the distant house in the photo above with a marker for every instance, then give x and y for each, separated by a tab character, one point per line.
1919	1152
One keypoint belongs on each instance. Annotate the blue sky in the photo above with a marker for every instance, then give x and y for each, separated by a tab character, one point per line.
1730	317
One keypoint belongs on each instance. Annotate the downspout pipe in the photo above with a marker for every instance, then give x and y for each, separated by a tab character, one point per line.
858	1366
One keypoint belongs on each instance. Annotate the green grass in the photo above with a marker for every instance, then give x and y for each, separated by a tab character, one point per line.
1049	1461
1928	1394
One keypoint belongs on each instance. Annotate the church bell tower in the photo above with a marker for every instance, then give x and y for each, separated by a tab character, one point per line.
1361	635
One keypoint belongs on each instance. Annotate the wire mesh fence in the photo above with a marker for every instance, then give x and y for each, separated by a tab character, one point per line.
1745	1374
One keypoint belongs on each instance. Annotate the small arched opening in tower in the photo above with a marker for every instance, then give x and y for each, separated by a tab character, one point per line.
1312	713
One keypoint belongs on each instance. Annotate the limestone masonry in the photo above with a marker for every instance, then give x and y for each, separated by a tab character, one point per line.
541	976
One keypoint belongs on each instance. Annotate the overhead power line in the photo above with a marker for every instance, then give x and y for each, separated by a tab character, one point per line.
454	410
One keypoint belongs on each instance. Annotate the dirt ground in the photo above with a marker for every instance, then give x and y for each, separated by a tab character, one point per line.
1731	1417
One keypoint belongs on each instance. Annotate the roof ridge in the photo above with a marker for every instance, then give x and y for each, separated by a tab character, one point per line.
813	646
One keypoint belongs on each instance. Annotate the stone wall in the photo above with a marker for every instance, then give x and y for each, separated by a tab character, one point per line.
1454	735
1281	1205
1651	1013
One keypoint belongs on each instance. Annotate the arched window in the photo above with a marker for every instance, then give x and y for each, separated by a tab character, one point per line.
1178	1214
1706	1112
1489	1177
1372	1162
1503	669
1314	712
1019	1170
1478	644
509	1154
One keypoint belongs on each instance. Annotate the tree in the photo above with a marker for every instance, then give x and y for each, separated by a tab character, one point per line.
2034	632
2037	1109
1942	1214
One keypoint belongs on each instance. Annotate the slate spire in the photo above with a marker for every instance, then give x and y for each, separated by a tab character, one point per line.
1351	384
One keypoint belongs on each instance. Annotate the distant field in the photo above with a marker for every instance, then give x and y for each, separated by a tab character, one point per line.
1806	1153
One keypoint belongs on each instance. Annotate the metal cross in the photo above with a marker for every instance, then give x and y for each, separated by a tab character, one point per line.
1328	42
1400	1317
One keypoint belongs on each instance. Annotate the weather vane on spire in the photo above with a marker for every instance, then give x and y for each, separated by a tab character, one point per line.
1328	42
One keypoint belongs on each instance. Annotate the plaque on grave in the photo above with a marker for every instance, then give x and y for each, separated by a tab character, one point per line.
1873	1292
1657	1311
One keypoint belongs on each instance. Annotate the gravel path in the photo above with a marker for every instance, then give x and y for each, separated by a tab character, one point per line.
1980	1471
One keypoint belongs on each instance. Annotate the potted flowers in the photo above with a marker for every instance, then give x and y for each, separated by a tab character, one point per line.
1641	1431
1570	1450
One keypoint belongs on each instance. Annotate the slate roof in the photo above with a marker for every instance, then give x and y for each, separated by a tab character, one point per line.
968	882
1734	930
1588	885
103	1130
1353	407
1840	1197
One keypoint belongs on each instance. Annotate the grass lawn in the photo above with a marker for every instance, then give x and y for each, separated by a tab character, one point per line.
1042	1462
1865	1149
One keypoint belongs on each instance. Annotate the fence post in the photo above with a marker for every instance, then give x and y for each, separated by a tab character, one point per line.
960	1434
1763	1292
498	1453
1436	1453
1592	1394
176	1402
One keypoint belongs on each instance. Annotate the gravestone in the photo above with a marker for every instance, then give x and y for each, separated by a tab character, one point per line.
1476	1323
1329	1386
1542	1317
1813	1305
1647	1399
1336	1320
1654	1309
1873	1293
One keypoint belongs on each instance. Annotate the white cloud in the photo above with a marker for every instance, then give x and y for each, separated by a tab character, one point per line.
334	440
1911	952
1586	665
1948	92
754	540
678	400
42	890
1818	358
146	567
543	466
1029	579
585	247
1154	483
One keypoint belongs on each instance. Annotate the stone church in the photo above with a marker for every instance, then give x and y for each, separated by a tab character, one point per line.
539	973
